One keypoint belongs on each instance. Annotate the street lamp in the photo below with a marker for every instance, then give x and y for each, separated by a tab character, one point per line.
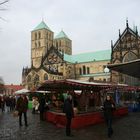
106	71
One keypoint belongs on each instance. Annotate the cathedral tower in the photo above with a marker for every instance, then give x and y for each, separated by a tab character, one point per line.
63	43
41	41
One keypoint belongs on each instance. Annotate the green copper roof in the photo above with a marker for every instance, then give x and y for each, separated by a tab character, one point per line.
61	35
88	57
42	25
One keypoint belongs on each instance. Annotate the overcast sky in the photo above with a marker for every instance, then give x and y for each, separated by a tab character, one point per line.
90	24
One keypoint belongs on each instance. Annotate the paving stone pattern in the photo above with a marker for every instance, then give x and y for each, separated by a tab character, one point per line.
125	128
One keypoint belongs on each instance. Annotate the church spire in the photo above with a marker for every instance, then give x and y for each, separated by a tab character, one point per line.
111	44
127	25
136	30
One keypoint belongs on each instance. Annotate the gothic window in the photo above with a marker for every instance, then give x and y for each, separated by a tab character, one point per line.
47	35
45	76
39	35
39	44
35	36
80	71
56	44
88	70
35	44
29	78
84	70
129	57
60	43
36	78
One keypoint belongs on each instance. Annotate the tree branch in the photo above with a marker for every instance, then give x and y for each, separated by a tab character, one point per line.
4	2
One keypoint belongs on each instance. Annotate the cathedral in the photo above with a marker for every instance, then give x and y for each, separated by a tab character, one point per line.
52	58
126	49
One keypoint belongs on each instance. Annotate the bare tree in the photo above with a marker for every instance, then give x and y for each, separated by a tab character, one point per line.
3	2
2	9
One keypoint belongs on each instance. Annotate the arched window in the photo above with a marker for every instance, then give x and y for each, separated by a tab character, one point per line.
45	76
39	44
129	57
35	35
84	70
88	70
56	44
60	43
39	35
80	71
35	44
36	78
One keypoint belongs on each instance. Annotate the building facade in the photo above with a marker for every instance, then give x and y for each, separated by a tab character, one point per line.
52	59
126	49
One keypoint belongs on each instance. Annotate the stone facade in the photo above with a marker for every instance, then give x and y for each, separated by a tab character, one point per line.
52	59
126	49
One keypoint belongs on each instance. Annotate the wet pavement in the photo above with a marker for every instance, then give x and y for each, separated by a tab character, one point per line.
125	128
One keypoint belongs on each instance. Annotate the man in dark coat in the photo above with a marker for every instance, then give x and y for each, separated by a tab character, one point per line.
42	107
109	106
68	110
21	107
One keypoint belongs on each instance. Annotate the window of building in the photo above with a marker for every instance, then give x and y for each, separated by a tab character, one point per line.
88	70
60	43
45	76
37	78
39	35
84	70
35	44
80	71
39	44
56	44
35	35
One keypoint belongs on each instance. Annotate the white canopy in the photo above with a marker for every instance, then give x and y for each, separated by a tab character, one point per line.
22	91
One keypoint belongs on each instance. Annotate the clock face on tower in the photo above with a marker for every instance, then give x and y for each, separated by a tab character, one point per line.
52	58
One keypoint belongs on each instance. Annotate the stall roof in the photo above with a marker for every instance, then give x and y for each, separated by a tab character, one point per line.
69	84
130	68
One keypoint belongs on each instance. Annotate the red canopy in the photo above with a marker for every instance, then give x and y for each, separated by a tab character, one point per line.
68	85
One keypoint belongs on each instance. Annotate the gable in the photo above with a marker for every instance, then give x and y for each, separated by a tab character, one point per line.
126	40
53	56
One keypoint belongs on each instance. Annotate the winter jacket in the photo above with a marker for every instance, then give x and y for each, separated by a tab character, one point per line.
22	105
108	109
68	109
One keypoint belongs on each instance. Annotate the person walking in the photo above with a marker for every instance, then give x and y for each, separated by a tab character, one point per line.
2	103
68	110
42	107
21	107
108	107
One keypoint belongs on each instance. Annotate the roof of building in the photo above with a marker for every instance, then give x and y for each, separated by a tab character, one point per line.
14	87
61	35
88	57
42	25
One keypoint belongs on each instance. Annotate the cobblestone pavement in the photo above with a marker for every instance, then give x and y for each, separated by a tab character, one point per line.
125	128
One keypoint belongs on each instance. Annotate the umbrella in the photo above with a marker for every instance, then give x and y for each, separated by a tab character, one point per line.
22	91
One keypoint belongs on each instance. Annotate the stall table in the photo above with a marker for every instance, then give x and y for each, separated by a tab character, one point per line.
82	120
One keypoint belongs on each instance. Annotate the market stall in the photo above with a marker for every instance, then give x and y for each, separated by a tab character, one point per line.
88	97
